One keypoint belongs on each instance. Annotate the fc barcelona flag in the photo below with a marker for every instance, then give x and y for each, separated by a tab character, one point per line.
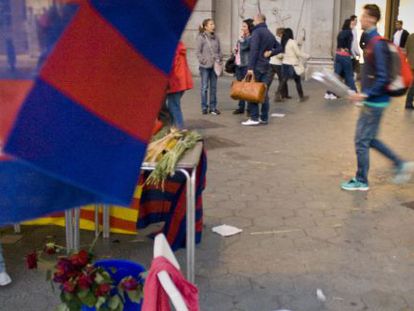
81	83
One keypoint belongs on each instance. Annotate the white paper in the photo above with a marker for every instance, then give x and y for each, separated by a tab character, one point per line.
278	115
332	82
320	295
226	230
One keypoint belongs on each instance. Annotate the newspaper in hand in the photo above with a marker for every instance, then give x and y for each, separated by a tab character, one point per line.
332	83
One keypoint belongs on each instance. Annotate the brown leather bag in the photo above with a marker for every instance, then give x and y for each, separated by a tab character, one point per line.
250	91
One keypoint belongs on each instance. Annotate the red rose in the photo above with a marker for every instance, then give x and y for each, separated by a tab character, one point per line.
129	283
68	287
31	260
102	290
50	248
80	259
85	281
60	277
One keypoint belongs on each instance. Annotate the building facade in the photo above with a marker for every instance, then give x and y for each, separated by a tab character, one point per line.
315	23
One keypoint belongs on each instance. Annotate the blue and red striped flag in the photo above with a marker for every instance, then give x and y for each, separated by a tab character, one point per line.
77	132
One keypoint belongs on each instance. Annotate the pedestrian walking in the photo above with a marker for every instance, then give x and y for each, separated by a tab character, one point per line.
375	99
292	64
343	58
242	57
409	48
208	53
263	45
179	82
355	51
400	34
4	277
276	68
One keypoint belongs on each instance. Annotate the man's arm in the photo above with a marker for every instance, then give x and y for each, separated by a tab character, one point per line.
254	51
381	69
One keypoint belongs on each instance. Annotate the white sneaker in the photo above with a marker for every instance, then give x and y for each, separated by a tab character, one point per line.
404	173
250	122
4	279
327	96
333	96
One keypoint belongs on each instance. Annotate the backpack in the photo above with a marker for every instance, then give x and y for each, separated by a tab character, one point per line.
400	77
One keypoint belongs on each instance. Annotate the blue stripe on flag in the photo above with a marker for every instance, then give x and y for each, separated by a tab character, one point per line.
152	27
57	135
27	193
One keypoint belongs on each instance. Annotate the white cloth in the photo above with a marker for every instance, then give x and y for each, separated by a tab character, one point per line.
277	59
397	37
355	44
293	54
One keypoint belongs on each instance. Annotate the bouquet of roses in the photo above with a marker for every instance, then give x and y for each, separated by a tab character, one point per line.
84	284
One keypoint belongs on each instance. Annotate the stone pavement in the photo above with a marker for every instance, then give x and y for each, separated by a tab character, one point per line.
280	184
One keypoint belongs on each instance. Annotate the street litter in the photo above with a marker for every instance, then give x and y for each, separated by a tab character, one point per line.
278	115
226	230
320	295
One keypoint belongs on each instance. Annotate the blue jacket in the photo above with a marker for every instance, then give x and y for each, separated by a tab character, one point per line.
374	77
262	40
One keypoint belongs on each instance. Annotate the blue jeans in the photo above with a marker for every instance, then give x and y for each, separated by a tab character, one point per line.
208	78
240	74
366	138
174	107
254	108
343	68
2	264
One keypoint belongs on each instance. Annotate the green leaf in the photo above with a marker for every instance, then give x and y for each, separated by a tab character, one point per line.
134	295
62	307
114	302
99	278
82	294
89	300
101	300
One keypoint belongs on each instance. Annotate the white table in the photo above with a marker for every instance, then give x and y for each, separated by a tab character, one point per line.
188	167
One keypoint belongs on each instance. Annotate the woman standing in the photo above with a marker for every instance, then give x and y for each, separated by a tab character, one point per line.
208	53
180	81
343	58
291	64
242	57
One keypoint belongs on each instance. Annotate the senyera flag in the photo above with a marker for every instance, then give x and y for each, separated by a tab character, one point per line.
81	83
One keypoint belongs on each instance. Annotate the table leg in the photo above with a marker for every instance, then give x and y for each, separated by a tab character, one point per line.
105	221
97	208
69	230
76	229
190	245
17	228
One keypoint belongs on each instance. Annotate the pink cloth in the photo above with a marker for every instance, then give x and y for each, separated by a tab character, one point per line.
238	59
155	297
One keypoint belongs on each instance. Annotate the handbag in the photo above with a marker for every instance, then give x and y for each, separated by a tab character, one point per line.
249	90
218	68
299	68
230	65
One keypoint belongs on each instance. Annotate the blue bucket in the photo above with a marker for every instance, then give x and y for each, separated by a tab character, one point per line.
118	269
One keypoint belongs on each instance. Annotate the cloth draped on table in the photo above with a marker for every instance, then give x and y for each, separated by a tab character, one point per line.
170	206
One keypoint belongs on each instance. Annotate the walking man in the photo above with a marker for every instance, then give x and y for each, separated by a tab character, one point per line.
262	40
400	35
375	100
409	48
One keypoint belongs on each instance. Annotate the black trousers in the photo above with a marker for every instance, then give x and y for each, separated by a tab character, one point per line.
277	69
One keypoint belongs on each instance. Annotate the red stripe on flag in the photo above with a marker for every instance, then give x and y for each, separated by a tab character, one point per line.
12	95
190	3
93	65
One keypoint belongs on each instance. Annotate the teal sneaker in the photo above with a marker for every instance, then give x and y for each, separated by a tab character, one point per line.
354	185
403	174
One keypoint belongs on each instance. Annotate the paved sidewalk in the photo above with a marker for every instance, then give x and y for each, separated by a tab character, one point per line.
280	184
